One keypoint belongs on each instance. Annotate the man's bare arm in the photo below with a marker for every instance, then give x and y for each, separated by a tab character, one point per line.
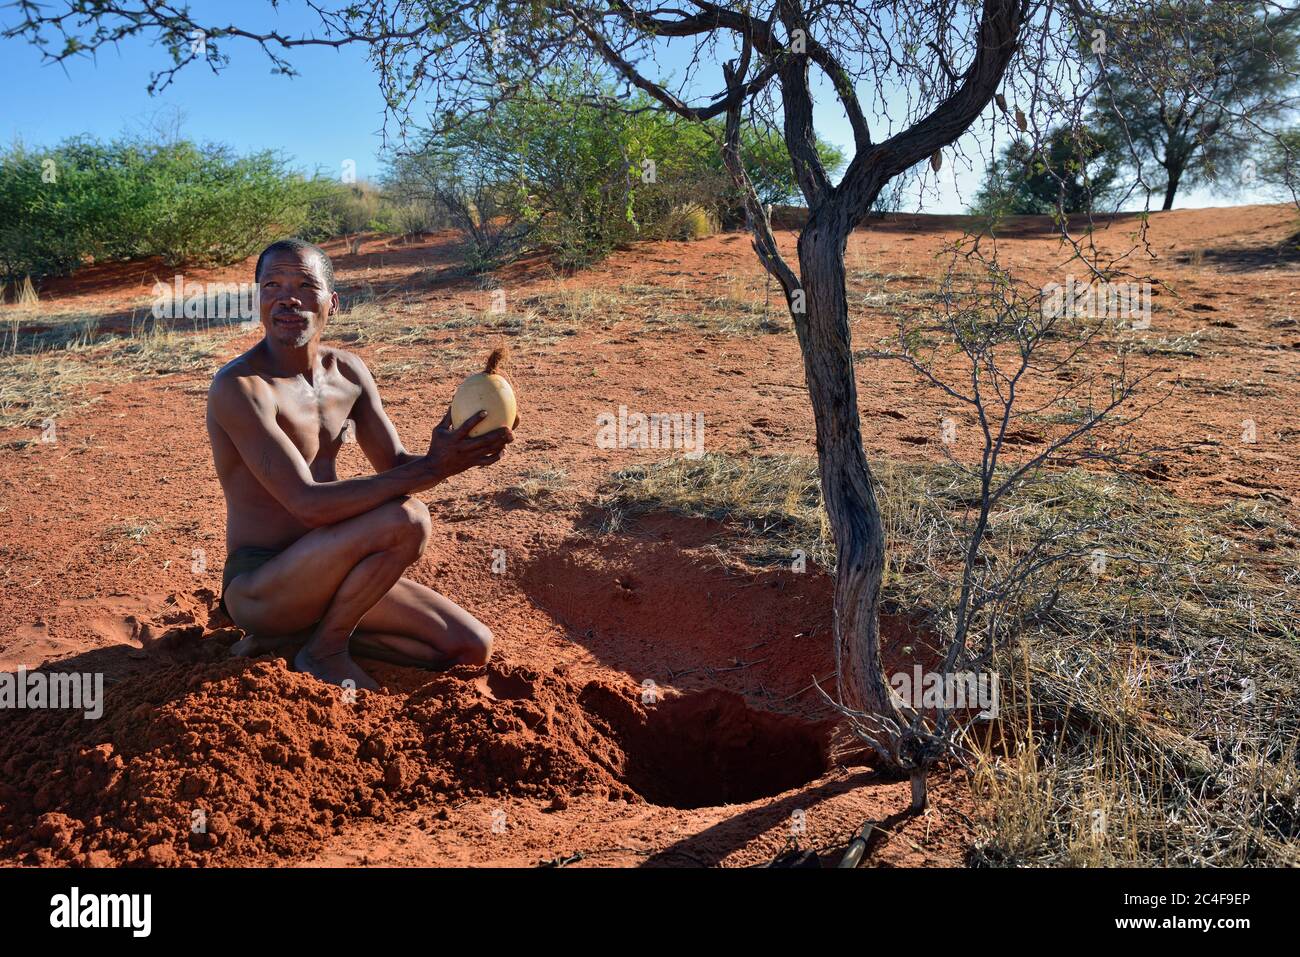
247	415
376	433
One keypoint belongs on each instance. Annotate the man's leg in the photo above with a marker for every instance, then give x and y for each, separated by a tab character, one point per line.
416	626
331	576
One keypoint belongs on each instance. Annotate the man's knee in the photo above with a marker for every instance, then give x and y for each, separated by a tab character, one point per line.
410	525
474	644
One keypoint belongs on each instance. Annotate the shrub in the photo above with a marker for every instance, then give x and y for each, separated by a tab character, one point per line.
1076	168
342	209
417	216
686	222
206	206
190	204
49	210
452	181
767	163
1280	170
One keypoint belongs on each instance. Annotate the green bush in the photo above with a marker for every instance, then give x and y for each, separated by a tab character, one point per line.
1280	170
187	203
767	163
342	209
51	208
206	206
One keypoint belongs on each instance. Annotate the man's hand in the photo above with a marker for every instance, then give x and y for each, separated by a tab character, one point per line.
452	451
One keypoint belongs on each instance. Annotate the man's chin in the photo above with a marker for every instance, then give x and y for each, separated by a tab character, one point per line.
291	338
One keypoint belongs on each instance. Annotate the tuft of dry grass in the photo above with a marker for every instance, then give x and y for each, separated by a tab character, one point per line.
131	529
1149	713
538	486
25	294
1187	346
685	223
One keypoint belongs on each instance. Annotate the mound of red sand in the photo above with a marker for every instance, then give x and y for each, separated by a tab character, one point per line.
236	761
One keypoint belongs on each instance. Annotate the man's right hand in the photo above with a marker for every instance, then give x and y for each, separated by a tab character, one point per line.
452	451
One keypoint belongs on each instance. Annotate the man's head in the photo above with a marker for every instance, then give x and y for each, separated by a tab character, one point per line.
296	291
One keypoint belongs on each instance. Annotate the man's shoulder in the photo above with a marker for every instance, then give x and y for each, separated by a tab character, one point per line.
351	365
236	377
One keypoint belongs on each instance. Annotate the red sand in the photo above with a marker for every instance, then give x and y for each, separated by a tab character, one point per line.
276	761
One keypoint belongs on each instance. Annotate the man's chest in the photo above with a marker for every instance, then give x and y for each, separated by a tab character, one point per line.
315	417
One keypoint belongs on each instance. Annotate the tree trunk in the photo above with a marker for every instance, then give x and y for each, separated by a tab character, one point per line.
920	791
845	476
1171	188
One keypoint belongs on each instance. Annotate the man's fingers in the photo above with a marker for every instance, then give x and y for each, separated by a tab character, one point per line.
497	437
446	421
468	425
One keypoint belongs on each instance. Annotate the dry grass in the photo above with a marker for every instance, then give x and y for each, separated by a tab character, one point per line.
1149	714
733	307
24	293
773	501
396	323
890	292
685	223
399	333
1187	346
384	322
133	529
538	486
45	374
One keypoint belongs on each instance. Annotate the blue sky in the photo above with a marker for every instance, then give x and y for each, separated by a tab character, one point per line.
245	105
330	113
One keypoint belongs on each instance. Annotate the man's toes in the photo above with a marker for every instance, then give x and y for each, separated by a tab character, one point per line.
246	647
338	669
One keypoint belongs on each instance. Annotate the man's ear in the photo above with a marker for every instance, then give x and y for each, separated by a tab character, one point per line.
334	303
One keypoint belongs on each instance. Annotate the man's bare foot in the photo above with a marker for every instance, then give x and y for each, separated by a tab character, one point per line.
247	647
250	646
336	669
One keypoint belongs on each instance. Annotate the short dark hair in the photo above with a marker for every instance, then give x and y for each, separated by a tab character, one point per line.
296	246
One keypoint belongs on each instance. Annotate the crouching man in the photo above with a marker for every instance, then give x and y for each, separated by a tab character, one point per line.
309	552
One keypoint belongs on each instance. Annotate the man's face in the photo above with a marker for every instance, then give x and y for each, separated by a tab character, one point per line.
294	297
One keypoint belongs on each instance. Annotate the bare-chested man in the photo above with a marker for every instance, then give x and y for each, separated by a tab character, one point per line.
309	552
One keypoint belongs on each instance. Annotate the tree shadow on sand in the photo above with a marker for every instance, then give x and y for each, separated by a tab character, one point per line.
1250	258
710	847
